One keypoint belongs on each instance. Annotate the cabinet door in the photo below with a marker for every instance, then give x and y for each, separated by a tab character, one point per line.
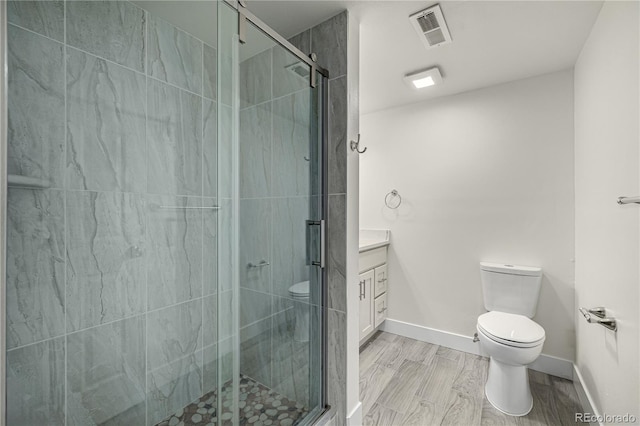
381	279
366	303
380	309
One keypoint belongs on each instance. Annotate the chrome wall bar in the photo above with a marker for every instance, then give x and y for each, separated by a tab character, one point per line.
628	200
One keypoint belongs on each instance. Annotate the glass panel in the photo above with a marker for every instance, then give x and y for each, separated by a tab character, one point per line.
112	290
280	211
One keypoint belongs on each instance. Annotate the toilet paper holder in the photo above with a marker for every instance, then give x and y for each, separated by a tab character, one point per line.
600	317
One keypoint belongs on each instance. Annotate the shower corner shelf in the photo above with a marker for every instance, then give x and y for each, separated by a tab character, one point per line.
18	181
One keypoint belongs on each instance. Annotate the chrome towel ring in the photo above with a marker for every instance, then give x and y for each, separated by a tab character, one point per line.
393	199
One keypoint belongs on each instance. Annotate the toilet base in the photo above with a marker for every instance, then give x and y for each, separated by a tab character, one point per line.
507	388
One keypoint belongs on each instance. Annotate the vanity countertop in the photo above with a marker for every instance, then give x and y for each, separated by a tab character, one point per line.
373	238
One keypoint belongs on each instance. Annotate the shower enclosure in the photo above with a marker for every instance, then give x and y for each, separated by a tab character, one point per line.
165	217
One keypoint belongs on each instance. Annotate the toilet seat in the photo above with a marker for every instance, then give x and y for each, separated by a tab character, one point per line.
511	329
299	290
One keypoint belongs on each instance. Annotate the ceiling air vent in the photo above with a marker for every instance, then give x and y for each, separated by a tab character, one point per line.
431	27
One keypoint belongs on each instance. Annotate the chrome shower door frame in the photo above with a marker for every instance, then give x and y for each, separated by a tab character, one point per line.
3	212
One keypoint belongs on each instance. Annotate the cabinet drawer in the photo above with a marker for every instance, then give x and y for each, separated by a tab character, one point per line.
372	258
381	280
380	309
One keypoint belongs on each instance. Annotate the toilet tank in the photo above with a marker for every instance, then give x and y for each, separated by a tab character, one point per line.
510	288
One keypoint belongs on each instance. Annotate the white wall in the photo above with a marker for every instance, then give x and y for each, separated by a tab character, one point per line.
354	411
485	175
607	165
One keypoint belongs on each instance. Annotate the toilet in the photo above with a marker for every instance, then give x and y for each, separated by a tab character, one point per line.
508	335
299	292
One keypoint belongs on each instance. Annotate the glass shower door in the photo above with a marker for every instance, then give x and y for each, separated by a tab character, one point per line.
271	168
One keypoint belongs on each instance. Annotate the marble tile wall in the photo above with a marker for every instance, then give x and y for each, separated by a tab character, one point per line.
112	289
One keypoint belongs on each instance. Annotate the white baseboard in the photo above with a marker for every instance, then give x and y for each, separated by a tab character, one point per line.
584	395
545	363
355	418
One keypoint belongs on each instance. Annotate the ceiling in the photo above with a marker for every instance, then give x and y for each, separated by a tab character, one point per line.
493	41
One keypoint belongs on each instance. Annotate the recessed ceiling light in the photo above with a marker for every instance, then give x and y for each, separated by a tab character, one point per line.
422	79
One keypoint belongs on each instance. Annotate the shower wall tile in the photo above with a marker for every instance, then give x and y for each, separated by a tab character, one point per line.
218	359
290	246
290	358
254	306
292	142
255	244
35	266
210	70
302	41
174	247
255	79
337	362
106	374
210	317
329	42
113	30
338	110
255	351
224	153
210	369
225	318
174	386
174	140
174	56
210	148
227	44
285	78
105	125
35	384
225	243
43	17
255	151
173	333
337	253
210	245
35	107
105	257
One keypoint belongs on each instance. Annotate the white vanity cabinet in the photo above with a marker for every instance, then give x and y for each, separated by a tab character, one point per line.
365	293
372	290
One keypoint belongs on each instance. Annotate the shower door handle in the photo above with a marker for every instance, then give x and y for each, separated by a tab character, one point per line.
316	252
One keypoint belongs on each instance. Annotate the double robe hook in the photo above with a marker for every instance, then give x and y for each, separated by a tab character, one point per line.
355	146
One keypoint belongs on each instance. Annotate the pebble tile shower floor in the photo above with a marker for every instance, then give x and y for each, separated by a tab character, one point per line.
259	406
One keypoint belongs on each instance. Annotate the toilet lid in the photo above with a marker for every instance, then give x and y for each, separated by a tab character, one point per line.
511	329
300	289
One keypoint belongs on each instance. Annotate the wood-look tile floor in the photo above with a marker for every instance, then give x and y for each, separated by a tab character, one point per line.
407	382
